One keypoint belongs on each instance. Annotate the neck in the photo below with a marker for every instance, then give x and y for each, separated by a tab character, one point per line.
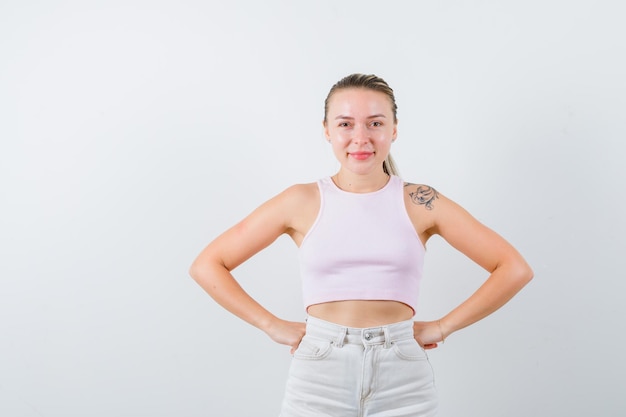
356	183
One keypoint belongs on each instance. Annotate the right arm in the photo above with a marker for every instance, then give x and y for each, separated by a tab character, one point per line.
212	268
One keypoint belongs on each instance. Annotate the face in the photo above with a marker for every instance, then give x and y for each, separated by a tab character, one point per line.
360	126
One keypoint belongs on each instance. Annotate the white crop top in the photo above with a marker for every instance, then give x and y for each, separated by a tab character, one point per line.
361	247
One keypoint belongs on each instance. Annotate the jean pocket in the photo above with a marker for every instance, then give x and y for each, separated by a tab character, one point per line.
410	350
312	348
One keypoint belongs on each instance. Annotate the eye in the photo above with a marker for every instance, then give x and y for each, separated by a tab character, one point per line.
344	124
377	124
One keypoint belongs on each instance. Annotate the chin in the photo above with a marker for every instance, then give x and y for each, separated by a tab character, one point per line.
363	168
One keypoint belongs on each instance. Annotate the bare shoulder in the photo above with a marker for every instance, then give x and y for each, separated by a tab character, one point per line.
291	198
302	202
421	195
427	208
427	202
301	193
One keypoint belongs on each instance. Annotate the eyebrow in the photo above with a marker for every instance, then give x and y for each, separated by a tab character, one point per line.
374	116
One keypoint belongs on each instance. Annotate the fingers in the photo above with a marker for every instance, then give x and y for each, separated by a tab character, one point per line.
287	333
427	333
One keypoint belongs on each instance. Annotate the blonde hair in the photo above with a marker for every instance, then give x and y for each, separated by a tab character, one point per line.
369	82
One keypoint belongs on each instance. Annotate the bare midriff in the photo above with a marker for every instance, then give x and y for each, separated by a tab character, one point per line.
362	313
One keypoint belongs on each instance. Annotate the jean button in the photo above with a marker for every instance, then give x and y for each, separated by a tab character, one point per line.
368	336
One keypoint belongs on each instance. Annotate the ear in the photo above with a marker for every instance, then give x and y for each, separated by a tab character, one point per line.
326	132
394	135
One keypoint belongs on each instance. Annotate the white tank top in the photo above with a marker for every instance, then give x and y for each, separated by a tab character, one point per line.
361	247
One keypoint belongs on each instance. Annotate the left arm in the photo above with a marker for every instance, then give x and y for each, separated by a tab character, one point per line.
509	272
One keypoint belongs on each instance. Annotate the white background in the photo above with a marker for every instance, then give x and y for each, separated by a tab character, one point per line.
133	132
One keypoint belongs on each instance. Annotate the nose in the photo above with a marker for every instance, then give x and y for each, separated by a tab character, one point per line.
360	133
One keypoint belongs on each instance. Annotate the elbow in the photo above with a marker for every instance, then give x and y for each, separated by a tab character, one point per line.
523	274
193	271
527	272
531	274
204	268
197	270
516	271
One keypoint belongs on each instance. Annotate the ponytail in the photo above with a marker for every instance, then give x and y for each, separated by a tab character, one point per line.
389	166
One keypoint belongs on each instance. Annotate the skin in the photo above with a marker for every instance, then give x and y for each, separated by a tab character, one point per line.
360	127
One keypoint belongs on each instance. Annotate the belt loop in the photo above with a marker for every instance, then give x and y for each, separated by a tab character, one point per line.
341	336
387	337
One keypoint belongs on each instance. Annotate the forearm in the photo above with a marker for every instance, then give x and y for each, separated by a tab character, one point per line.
219	283
503	283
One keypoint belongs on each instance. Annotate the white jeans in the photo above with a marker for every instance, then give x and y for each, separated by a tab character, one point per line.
346	372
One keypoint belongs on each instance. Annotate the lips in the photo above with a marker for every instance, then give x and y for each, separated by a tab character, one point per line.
361	155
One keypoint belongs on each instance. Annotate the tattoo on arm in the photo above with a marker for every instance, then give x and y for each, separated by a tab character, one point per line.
423	195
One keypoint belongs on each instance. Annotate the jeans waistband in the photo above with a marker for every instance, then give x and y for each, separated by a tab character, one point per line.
341	335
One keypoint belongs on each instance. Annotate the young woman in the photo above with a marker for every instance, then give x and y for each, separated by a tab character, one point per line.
361	236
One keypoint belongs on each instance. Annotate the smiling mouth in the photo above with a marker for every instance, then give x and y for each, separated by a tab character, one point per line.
361	155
